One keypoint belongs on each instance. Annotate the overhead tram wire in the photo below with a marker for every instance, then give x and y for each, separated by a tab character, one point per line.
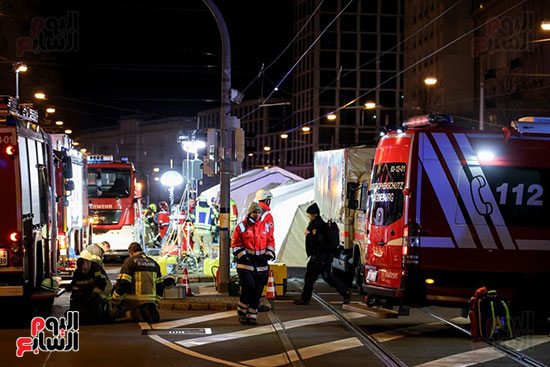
262	70
300	59
374	59
405	70
391	49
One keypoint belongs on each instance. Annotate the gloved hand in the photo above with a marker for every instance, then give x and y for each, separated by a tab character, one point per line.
96	292
269	256
116	298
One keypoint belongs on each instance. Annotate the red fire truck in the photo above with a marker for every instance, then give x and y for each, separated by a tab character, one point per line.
74	232
452	210
28	229
115	203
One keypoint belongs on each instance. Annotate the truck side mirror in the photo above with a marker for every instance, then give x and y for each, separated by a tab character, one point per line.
67	167
69	185
352	190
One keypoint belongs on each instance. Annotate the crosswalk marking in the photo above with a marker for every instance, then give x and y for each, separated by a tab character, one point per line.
414	330
486	354
193	320
261	330
306	353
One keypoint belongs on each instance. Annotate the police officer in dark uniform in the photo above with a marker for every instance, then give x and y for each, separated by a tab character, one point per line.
320	258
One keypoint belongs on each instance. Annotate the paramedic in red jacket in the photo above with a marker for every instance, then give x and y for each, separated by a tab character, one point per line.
253	247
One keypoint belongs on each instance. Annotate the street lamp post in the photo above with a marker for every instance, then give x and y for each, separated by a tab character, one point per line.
225	154
481	105
19	67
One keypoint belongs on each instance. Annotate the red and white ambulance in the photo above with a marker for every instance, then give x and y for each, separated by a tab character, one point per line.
451	210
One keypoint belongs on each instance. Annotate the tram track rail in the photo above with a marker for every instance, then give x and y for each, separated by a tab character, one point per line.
516	355
376	348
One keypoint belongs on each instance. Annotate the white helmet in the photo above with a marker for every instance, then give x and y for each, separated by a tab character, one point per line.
263	194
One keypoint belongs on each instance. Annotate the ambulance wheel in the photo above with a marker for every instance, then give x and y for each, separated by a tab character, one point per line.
370	300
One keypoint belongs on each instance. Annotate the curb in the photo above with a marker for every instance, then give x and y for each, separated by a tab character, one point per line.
200	303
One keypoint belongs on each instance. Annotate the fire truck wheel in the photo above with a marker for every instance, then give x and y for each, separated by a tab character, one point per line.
359	277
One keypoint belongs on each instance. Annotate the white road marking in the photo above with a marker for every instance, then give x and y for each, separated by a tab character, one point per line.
188	343
194	320
486	354
414	330
193	353
144	326
306	353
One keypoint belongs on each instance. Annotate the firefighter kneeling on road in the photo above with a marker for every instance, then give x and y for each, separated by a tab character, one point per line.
253	247
91	292
139	287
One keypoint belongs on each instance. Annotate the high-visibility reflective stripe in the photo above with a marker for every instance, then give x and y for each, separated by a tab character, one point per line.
241	226
141	297
125	277
264	215
138	282
255	252
251	268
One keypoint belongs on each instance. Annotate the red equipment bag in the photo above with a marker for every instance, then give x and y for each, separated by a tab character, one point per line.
472	303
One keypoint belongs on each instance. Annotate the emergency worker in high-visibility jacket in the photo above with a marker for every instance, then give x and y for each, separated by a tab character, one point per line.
263	197
90	292
253	247
95	252
139	286
162	218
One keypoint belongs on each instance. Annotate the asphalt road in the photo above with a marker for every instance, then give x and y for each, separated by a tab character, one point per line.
289	335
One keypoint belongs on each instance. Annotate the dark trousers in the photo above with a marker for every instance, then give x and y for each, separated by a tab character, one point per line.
321	264
252	285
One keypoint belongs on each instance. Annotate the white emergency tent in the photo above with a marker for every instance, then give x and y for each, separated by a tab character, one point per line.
292	251
249	182
286	199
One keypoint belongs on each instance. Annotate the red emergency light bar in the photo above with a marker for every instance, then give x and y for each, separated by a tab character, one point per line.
432	119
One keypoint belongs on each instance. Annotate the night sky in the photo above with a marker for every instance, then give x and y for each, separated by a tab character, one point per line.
156	58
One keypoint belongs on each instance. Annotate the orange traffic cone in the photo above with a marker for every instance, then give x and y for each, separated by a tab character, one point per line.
185	282
271	292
